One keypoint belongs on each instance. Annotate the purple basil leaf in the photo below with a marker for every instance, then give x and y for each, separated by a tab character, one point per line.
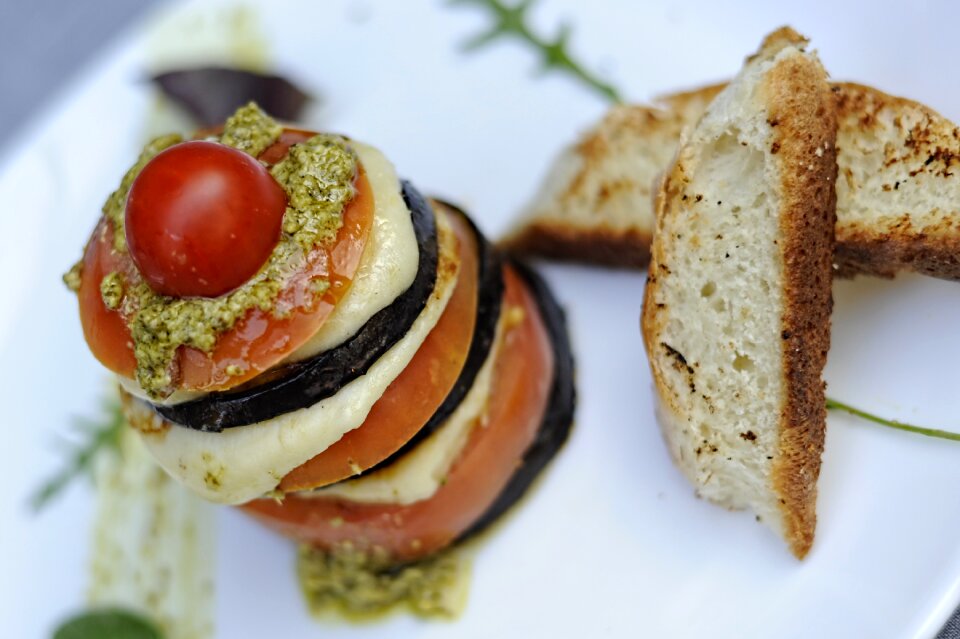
212	94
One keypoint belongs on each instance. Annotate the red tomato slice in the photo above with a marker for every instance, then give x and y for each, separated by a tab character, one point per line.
106	331
493	452
416	394
258	341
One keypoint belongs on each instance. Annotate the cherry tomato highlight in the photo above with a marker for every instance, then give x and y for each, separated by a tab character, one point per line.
202	218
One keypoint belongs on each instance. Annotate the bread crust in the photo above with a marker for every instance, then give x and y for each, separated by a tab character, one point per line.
884	252
802	113
601	245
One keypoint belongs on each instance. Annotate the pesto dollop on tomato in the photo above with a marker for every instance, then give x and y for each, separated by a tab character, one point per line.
317	176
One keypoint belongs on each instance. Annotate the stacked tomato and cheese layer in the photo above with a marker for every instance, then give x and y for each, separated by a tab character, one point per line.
408	413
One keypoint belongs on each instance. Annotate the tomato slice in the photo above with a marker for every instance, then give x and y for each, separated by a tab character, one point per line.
416	394
259	340
106	331
518	402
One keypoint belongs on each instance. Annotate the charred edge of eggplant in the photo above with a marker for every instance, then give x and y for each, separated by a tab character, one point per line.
558	417
489	301
301	384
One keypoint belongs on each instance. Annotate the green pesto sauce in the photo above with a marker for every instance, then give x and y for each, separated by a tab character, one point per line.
72	278
111	290
250	130
317	176
319	182
365	585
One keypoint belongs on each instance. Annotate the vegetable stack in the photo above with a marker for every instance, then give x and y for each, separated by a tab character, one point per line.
297	331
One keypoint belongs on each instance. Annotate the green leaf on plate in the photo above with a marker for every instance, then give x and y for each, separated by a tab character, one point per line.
108	624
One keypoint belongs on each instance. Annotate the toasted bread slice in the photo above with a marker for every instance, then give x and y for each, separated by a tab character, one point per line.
736	314
898	200
596	204
898	187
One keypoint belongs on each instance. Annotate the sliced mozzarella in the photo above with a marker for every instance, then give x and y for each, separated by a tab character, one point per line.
387	268
240	464
178	397
419	473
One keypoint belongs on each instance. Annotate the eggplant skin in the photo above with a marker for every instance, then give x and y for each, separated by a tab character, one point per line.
559	414
490	297
302	384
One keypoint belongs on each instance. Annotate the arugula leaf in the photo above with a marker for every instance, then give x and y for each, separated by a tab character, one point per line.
108	624
511	21
96	437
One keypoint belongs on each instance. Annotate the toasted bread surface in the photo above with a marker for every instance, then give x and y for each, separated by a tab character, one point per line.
898	192
595	204
898	189
736	310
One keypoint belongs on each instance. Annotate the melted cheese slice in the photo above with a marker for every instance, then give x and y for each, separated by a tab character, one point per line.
387	268
240	464
421	472
388	265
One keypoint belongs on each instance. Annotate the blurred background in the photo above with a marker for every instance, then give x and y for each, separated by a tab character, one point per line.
45	42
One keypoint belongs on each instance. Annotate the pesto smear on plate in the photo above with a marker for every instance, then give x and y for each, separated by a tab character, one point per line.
366	584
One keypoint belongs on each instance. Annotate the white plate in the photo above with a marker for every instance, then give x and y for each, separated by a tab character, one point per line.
612	542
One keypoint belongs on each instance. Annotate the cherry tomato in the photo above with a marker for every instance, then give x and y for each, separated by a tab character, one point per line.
519	396
202	218
415	395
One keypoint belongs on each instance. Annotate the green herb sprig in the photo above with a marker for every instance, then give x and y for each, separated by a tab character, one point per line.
511	21
96	437
833	404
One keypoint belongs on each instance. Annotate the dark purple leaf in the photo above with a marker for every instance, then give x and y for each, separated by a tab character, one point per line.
212	94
